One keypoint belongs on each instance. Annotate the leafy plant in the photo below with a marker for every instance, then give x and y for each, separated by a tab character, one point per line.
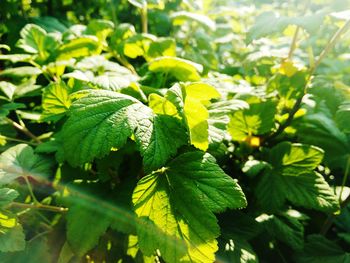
212	136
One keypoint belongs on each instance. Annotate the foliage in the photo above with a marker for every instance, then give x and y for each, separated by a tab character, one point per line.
174	131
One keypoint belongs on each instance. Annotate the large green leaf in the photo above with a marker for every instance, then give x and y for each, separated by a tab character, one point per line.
55	101
180	200
20	160
105	119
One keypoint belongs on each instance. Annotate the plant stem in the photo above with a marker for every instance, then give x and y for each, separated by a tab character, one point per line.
30	189
312	70
23	129
294	43
114	16
18	140
345	178
331	43
144	19
40	207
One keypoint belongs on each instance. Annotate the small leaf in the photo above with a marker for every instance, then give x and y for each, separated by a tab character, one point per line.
35	40
55	101
7	195
342	117
180	17
79	47
11	233
182	69
293	159
7	88
284	228
20	160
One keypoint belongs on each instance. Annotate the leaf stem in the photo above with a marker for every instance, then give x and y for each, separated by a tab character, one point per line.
331	43
345	178
294	43
40	207
144	19
30	189
18	140
23	129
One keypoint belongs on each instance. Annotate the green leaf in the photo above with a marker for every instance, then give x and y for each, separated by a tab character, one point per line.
320	249
320	130
105	119
271	22
20	160
181	17
294	159
80	237
292	178
138	3
11	238
7	195
181	69
257	120
6	108
36	250
99	28
79	47
236	250
20	72
159	140
295	180
11	233
180	200
35	40
14	58
190	101
162	47
103	73
7	88
137	45
3	46
55	101
284	228
342	117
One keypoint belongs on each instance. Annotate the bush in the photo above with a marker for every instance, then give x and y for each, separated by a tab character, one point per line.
171	135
